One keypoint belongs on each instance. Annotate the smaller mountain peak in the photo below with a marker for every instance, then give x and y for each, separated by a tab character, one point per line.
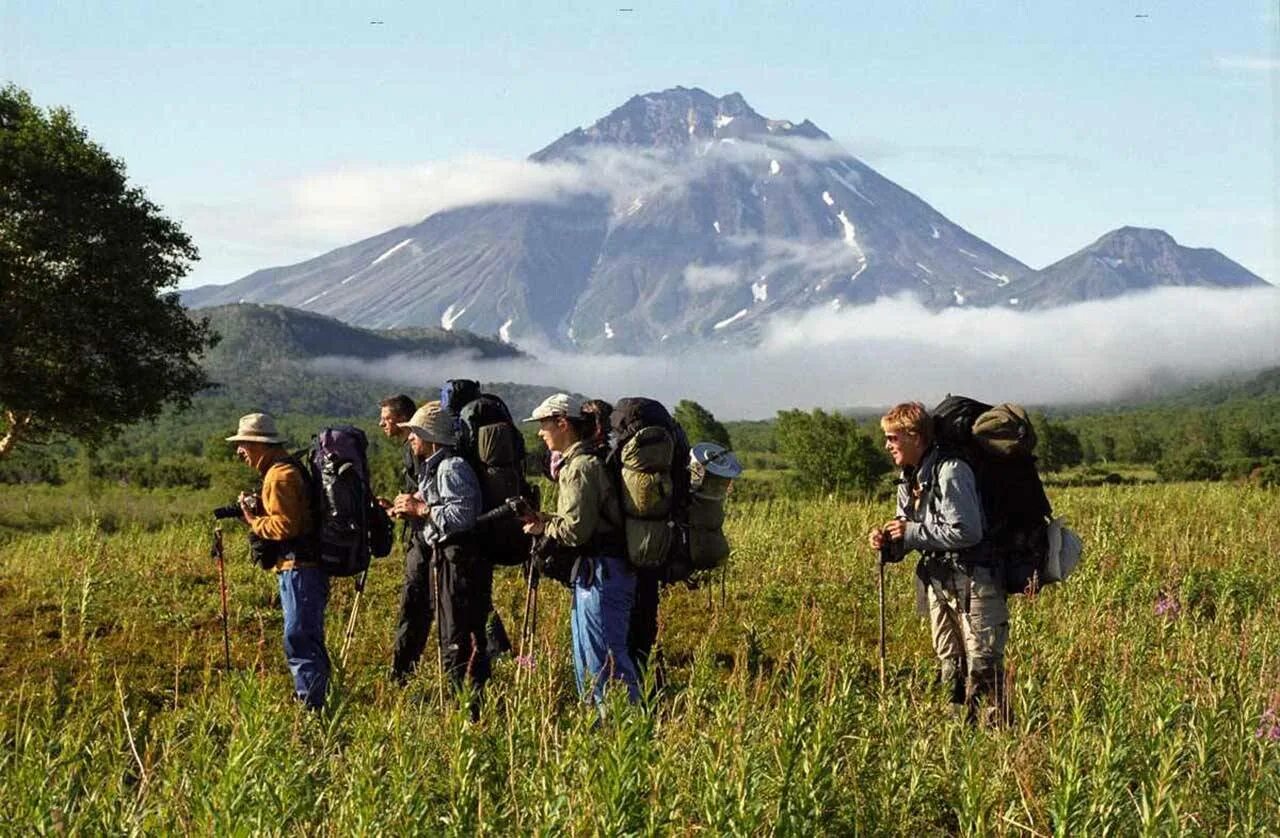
1149	235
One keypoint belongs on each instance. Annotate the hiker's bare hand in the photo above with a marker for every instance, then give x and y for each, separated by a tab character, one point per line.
535	527
875	538
406	504
383	502
896	529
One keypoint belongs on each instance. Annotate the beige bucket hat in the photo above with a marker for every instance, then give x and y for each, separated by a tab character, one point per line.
558	405
257	427
432	423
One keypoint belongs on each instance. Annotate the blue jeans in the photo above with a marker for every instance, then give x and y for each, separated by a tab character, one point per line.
303	596
600	619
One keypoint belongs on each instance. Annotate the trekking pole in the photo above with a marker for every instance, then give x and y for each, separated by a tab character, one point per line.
351	621
216	552
435	606
880	567
529	622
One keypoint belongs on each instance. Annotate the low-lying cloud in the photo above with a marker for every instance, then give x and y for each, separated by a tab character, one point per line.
895	350
298	218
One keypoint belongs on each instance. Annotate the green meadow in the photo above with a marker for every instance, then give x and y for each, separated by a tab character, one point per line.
1146	689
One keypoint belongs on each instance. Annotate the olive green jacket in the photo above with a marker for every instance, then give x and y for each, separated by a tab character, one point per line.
587	507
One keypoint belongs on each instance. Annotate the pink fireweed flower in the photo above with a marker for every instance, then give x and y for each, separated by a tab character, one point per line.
1168	606
526	662
1269	725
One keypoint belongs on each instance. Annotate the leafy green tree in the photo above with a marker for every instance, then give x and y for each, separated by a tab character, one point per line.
87	341
828	452
699	425
1059	448
1188	466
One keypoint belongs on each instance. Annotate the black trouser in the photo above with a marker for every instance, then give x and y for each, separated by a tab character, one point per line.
413	626
644	617
466	597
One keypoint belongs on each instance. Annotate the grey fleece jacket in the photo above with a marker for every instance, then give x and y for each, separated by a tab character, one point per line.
948	516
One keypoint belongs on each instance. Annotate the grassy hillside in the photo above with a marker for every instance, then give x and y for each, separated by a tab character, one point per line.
263	358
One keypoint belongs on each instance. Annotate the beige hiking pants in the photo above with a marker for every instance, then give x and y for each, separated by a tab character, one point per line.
980	635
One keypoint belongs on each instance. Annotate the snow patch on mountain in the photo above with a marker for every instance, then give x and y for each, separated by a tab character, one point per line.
923	268
392	250
828	200
850	232
849	185
959	298
968	253
760	291
450	317
728	320
775	167
608	330
722	120
934	232
1000	279
504	331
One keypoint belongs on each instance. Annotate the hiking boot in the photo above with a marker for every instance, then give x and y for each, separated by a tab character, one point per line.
987	700
953	680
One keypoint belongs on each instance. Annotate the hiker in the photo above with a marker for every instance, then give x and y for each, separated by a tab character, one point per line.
588	521
444	508
413	623
642	631
281	537
939	514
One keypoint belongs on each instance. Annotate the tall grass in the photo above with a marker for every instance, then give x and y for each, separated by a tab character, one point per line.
1140	686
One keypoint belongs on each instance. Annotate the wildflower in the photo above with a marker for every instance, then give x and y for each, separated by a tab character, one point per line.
1269	725
526	662
1168	606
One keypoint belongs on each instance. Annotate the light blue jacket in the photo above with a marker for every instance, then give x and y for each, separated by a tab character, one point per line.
947	517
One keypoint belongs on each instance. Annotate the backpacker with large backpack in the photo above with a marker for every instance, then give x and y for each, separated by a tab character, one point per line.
350	526
998	442
668	524
491	442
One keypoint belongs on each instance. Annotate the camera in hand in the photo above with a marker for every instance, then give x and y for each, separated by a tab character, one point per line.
233	510
514	507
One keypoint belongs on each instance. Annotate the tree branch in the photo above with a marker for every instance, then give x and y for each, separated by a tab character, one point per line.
19	422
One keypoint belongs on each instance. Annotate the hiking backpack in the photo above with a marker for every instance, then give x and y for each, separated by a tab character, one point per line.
999	443
350	527
648	462
712	469
490	442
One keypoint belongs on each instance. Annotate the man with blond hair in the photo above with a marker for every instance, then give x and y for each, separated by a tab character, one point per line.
939	514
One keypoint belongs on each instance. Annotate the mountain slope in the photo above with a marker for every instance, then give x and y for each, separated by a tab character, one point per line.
700	219
1126	260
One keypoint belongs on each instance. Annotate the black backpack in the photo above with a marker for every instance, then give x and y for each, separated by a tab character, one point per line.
490	442
641	428
350	527
998	443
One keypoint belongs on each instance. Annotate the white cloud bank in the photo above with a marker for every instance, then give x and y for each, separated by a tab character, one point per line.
895	350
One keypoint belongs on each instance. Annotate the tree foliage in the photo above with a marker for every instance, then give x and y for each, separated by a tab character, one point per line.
700	425
87	340
828	452
1058	446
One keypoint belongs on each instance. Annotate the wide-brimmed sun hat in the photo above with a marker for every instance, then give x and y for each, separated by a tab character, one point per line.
431	423
257	427
558	405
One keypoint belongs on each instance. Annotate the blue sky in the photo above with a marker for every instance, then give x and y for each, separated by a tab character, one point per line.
277	131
